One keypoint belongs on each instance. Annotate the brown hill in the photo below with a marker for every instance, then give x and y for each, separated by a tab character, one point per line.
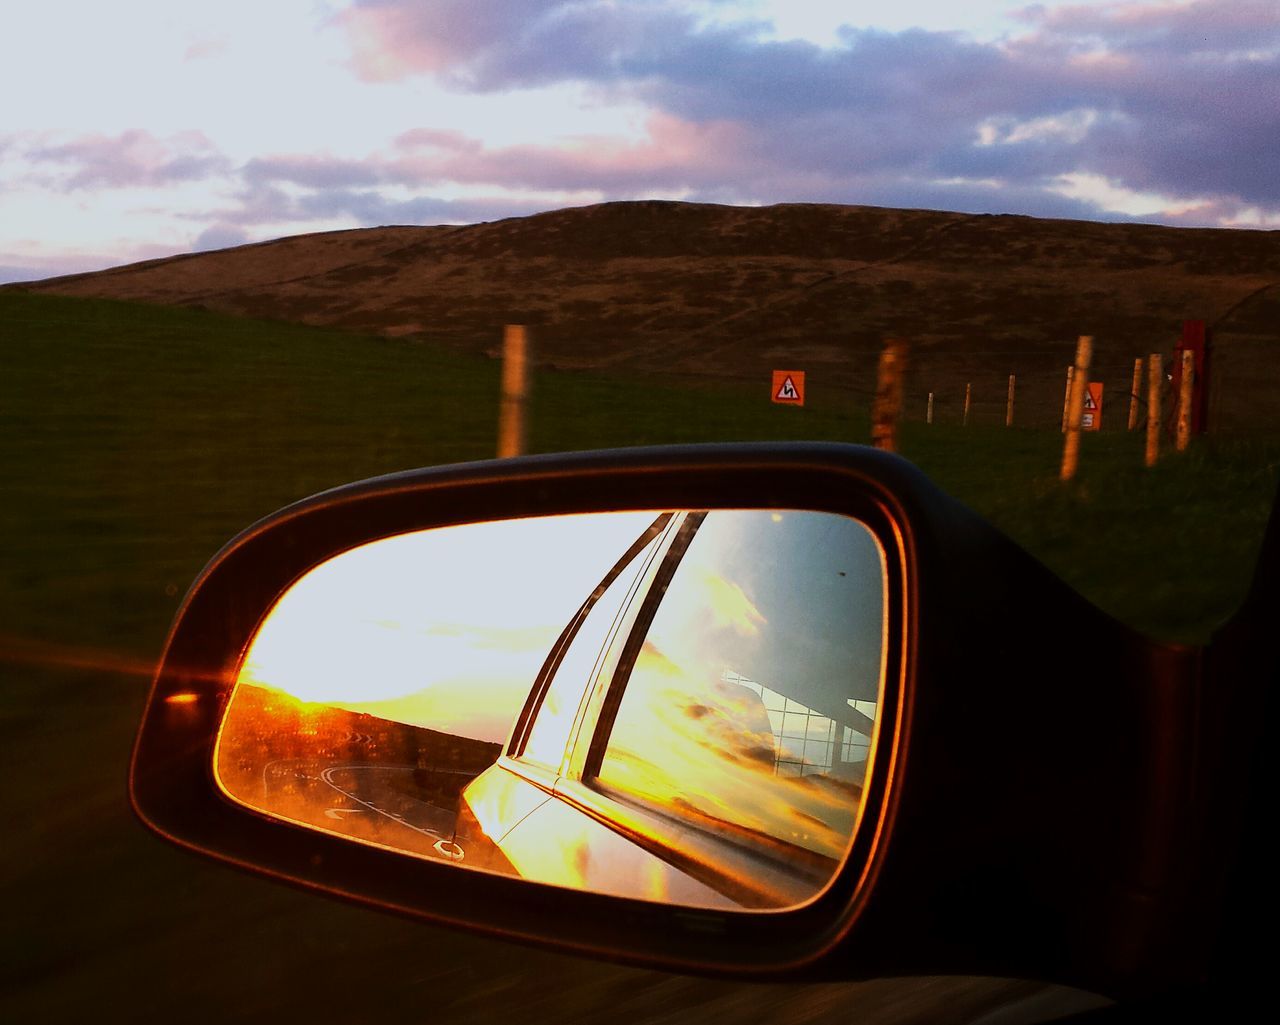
717	289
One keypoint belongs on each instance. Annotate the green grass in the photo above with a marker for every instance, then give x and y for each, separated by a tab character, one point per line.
137	439
1169	550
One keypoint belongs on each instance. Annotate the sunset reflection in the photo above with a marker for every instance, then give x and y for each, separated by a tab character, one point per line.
444	628
739	630
411	655
700	689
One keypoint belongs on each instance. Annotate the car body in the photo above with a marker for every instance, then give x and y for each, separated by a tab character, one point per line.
672	643
999	832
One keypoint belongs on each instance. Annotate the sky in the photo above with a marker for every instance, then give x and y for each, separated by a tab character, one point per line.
440	628
145	128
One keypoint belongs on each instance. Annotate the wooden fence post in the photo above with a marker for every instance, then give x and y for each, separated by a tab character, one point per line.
515	392
1133	393
967	394
1075	407
1155	385
1184	398
1066	399
1008	406
888	401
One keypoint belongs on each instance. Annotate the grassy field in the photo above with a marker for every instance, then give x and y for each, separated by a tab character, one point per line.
138	439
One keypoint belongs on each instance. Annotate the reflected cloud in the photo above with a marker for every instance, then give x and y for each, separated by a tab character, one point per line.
714	763
730	607
378	695
489	638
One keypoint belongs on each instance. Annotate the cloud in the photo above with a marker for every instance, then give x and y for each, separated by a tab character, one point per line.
1213	28
673	155
265	204
1152	110
373	208
17	272
717	163
36	261
496	44
1179	100
204	47
315	171
135	158
220	236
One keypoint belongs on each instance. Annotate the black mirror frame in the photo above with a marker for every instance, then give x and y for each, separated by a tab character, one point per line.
171	780
1033	809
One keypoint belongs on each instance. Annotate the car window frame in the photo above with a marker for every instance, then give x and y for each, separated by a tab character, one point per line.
675	837
514	750
734	869
759	871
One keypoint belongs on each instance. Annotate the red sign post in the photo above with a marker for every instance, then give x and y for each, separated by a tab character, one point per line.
1196	338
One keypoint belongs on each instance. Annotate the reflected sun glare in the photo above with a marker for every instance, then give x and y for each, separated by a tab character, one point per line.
415	627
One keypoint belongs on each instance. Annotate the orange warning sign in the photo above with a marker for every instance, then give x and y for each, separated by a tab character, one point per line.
1091	418
788	387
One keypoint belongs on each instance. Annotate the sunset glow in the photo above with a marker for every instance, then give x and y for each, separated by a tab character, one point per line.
457	112
443	629
703	725
377	699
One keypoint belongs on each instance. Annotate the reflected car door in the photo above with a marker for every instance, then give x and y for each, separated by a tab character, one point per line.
523	779
681	778
740	719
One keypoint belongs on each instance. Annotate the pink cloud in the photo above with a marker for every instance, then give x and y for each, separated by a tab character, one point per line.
675	154
488	43
206	46
1183	99
1189	27
132	159
391	39
429	137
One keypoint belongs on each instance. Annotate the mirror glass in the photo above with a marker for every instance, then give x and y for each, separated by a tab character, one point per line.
672	705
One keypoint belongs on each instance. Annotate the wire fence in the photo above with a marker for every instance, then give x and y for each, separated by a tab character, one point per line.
1243	387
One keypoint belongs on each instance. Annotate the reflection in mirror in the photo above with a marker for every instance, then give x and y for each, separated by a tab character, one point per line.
668	705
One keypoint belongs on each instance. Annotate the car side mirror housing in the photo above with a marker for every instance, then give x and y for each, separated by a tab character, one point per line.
772	709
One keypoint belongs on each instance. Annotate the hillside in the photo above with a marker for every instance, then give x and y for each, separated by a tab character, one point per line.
716	289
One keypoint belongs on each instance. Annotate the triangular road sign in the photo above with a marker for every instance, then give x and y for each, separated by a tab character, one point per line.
788	387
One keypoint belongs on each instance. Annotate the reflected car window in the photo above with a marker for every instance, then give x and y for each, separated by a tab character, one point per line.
553	720
749	706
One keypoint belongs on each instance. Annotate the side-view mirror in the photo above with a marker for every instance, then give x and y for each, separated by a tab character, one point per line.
677	706
745	708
